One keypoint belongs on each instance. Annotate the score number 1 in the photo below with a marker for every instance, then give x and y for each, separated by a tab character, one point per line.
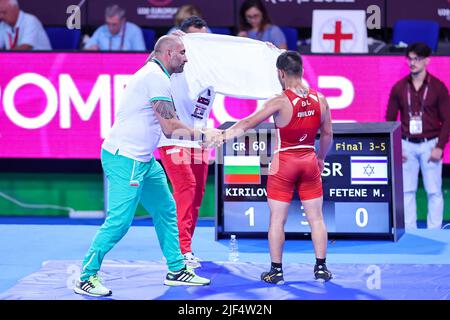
251	213
361	217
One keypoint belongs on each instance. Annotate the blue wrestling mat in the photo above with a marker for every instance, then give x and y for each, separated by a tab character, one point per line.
141	280
42	261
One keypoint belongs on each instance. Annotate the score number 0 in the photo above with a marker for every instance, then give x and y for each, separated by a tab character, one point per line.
361	217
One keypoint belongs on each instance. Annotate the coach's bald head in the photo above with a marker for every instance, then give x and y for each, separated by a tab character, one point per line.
166	43
171	52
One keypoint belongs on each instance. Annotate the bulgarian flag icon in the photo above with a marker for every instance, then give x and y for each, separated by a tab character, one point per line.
242	170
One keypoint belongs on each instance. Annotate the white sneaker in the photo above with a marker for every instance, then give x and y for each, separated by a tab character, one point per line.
191	261
185	277
92	287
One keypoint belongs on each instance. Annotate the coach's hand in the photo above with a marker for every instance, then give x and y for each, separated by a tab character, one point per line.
243	34
212	138
178	33
270	45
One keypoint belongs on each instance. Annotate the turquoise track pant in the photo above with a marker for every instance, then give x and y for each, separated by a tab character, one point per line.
131	182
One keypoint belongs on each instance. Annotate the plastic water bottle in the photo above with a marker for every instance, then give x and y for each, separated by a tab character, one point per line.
233	255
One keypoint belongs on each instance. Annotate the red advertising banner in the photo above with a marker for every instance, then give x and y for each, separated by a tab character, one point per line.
64	108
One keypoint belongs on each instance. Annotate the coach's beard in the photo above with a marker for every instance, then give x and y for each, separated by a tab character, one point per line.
180	68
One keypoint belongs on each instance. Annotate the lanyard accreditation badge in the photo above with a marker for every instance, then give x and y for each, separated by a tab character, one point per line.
415	125
122	38
202	105
13	41
415	118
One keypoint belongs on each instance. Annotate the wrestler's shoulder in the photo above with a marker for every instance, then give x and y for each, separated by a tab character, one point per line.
279	98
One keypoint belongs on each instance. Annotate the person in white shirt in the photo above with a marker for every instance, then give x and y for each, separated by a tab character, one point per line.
116	34
186	162
20	30
134	176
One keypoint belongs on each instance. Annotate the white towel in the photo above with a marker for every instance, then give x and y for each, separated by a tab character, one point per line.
233	66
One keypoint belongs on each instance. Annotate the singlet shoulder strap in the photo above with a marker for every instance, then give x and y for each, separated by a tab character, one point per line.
314	95
290	94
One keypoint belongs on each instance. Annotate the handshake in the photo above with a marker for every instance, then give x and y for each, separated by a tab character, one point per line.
212	138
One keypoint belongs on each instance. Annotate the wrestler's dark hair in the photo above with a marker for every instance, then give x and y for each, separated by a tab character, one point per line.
419	48
291	63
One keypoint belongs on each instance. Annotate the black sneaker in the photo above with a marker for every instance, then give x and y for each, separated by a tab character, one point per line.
322	273
274	276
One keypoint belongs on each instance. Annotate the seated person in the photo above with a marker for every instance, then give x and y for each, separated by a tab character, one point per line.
117	34
182	14
20	30
255	24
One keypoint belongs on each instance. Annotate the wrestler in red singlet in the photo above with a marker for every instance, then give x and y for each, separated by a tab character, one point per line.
294	162
299	112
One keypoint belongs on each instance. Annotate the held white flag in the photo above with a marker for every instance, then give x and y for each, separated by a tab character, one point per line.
369	170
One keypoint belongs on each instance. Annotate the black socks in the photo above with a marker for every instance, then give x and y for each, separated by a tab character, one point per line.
277	266
320	261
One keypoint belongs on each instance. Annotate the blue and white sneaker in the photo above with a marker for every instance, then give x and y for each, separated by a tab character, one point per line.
185	277
92	287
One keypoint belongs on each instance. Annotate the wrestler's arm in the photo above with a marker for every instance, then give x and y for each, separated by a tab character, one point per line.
326	131
269	108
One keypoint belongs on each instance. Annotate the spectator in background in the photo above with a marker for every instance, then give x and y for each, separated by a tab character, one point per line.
182	14
20	30
117	34
255	24
424	107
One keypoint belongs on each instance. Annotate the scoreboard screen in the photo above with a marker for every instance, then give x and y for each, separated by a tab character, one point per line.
362	191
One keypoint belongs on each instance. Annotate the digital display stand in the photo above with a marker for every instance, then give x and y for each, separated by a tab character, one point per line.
362	184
